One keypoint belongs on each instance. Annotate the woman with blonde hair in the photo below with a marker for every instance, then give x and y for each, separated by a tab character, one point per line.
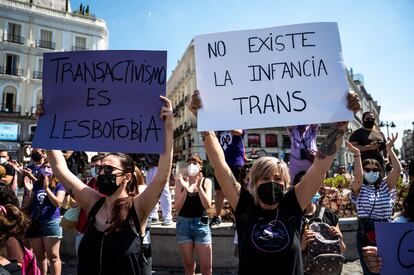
268	213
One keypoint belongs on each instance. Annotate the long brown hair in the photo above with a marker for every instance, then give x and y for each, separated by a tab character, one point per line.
122	206
13	223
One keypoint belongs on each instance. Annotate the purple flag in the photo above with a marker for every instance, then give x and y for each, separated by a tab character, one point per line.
105	101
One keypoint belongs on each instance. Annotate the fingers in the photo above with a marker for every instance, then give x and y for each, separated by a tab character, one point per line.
166	101
195	102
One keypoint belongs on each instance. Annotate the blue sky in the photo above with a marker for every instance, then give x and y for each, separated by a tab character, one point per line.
377	35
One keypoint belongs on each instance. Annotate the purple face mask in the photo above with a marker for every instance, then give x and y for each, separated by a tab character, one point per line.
46	171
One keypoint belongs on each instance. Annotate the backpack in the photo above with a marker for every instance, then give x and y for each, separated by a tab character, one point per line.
323	255
29	264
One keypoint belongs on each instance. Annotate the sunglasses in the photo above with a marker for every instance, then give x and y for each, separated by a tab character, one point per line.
371	169
369	119
107	169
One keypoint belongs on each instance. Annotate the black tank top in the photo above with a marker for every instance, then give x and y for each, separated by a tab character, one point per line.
193	208
114	253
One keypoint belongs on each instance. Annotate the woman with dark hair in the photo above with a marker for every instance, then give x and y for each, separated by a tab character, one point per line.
43	199
369	139
373	195
370	253
268	213
117	213
13	224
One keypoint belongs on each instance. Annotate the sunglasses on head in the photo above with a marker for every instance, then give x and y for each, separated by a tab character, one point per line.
107	169
371	169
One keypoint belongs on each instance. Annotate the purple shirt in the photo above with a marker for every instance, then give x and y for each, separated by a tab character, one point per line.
233	147
306	140
42	208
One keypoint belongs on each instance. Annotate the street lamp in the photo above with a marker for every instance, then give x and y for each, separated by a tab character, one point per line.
390	124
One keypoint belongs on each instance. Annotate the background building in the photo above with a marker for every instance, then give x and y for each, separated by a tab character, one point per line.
27	30
258	142
407	149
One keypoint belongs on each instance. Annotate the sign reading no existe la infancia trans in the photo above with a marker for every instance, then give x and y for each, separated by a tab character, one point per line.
104	101
271	77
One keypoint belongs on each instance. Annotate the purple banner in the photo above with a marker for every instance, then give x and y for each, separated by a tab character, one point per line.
105	101
396	247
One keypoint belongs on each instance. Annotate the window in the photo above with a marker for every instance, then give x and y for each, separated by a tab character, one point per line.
286	142
80	44
32	130
271	140
14	33
46	40
12	66
253	140
9	100
38	73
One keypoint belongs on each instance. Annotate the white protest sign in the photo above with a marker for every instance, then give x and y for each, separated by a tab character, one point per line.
279	76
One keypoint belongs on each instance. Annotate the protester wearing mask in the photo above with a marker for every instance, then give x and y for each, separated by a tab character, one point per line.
9	176
373	195
38	157
192	200
268	213
117	212
43	200
369	139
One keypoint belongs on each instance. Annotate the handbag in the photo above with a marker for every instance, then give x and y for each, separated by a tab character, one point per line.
71	218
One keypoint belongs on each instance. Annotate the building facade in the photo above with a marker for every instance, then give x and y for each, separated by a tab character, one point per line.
28	29
258	142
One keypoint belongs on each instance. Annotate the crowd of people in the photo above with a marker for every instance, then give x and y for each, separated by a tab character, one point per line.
276	205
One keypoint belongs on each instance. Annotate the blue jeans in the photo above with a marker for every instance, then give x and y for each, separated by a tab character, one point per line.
193	230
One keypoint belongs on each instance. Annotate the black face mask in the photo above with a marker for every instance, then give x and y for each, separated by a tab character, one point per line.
36	156
368	124
270	193
107	184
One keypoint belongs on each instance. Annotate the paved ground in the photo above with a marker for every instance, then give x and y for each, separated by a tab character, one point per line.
69	268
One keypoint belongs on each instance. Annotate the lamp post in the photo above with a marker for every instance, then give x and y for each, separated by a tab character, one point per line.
387	124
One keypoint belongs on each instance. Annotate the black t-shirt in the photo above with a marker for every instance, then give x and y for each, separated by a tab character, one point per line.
364	137
9	171
269	241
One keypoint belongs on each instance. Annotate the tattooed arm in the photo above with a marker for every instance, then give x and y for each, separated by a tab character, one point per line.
312	180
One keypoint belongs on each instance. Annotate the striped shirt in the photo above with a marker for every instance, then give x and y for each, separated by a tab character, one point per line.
380	202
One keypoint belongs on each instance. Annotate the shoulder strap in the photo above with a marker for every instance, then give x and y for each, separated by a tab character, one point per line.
135	220
95	209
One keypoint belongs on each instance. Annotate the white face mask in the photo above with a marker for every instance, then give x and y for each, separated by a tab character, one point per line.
193	169
3	160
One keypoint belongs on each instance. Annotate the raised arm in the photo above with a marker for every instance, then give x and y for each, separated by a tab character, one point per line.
394	174
145	202
84	195
228	184
314	177
358	175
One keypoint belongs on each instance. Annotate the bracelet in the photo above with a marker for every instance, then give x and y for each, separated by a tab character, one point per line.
205	134
357	156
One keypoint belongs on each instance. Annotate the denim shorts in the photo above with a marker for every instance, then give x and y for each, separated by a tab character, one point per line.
193	230
45	229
